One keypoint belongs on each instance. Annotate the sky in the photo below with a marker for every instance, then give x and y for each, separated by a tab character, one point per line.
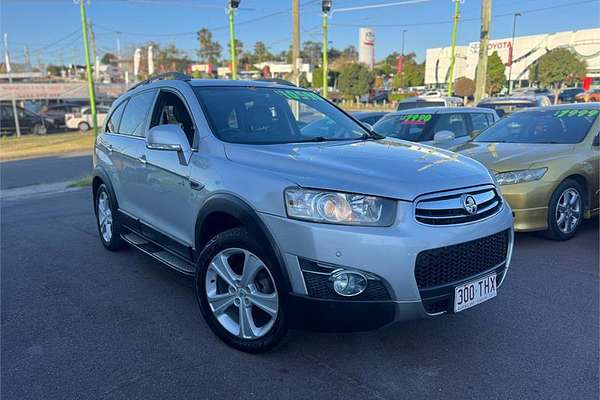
52	28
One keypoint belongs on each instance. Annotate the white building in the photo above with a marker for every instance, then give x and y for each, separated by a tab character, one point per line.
525	51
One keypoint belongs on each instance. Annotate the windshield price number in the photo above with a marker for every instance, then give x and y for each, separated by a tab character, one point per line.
576	113
415	118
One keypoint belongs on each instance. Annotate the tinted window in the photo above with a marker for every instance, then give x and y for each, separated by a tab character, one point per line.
266	115
134	116
547	126
451	122
412	127
480	121
113	123
170	110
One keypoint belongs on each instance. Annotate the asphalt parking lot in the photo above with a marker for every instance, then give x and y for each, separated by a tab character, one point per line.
79	322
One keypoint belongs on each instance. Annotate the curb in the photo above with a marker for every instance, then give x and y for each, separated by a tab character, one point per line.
36	191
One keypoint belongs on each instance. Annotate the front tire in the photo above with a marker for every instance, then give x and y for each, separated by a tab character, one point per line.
107	219
239	291
565	211
39	129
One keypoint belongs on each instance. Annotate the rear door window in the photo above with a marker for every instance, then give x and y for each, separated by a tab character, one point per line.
135	115
112	125
481	121
451	122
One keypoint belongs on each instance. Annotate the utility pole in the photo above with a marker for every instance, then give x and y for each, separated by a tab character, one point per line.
452	55
94	55
27	59
512	52
295	41
233	4
8	71
484	39
326	8
88	66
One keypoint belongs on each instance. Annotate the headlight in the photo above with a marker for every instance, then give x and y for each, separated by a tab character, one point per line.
339	208
525	175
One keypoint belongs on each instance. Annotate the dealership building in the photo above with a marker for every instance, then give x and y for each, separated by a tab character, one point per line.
524	52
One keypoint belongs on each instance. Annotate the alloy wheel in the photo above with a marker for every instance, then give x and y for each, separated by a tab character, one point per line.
568	211
105	219
241	293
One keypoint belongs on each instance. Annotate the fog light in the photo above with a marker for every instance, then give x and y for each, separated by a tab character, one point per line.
348	283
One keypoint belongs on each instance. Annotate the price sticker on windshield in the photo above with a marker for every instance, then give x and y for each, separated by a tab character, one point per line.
415	119
576	113
297	95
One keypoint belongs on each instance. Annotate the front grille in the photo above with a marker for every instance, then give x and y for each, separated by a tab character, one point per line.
316	278
446	265
448	209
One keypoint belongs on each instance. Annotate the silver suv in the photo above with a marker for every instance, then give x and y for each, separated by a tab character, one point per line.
286	221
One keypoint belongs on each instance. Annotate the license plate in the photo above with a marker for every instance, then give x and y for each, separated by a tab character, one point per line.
472	293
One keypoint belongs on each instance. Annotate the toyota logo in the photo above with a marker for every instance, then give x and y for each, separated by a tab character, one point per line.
469	204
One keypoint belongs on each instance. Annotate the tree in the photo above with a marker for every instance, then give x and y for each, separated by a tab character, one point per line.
355	80
557	68
109	58
261	53
311	52
495	74
55	70
464	87
414	72
210	51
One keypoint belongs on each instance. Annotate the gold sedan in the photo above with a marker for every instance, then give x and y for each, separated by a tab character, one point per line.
545	161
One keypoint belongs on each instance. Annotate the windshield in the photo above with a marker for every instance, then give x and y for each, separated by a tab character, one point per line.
548	126
411	127
503	109
257	115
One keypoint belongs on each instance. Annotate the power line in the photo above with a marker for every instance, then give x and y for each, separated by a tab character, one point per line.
510	14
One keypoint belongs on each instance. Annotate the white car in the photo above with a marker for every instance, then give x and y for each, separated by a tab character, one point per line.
82	120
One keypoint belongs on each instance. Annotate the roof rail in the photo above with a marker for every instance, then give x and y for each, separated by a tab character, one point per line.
178	76
276	80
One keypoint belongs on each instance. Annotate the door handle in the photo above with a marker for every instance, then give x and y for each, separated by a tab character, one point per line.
142	159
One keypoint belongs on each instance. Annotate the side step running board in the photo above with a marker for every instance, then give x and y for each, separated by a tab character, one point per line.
157	252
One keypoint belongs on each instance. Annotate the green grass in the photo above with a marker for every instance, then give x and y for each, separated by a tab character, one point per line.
82	182
30	146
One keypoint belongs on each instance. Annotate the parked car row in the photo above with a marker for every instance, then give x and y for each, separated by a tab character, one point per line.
545	159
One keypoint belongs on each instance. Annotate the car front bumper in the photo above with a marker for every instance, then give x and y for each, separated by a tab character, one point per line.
529	201
389	253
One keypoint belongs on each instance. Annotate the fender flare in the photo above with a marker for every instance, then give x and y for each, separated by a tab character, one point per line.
242	211
100	172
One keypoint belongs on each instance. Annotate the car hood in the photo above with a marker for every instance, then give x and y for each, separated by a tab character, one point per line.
389	167
502	157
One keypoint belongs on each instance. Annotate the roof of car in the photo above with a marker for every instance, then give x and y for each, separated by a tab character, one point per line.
572	106
443	110
368	113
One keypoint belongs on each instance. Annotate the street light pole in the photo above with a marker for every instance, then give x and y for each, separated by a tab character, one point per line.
233	4
512	52
402	55
88	66
452	55
326	8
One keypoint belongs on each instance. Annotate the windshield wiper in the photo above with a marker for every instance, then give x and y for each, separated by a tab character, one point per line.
371	135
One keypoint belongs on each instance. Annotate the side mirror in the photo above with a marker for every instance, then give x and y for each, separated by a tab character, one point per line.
444	137
596	141
170	138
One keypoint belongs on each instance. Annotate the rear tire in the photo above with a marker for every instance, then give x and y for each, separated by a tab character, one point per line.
565	210
107	219
239	290
83	126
